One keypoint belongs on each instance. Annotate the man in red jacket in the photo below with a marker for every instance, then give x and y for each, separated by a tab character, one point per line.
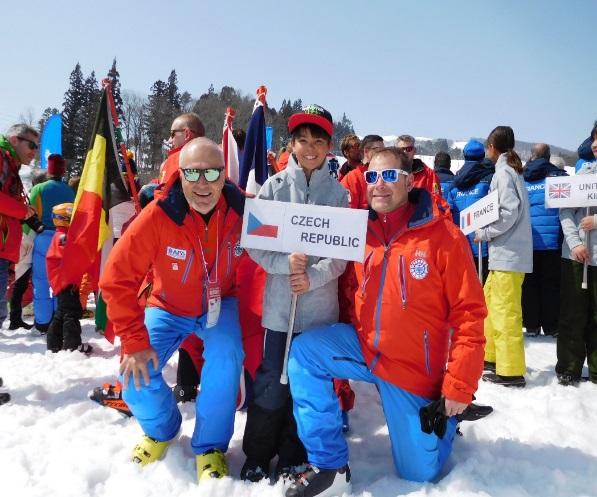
17	147
417	282
183	129
423	176
190	239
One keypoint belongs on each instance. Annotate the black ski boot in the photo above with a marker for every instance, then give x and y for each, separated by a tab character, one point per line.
321	482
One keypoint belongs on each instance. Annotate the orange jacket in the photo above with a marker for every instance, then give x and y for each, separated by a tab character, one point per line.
170	166
354	182
166	239
425	177
410	294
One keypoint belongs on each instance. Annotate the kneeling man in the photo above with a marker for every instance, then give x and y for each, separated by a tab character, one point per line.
417	336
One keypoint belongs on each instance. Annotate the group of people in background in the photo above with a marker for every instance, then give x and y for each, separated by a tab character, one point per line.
414	318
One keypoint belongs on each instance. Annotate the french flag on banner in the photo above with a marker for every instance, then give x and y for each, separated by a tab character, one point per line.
253	166
464	222
229	147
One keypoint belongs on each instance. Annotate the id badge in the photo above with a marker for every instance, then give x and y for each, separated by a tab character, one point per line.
214	302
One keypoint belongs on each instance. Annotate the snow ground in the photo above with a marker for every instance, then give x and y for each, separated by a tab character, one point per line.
54	441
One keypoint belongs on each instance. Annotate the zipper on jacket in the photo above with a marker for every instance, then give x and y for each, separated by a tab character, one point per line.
366	273
379	296
402	277
187	270
374	362
229	259
427	358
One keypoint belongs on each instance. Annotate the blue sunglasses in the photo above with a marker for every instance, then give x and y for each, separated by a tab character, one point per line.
388	175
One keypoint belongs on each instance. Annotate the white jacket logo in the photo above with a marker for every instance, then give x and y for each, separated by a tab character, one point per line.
419	269
176	253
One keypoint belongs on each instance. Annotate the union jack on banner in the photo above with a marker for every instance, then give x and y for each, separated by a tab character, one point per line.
560	190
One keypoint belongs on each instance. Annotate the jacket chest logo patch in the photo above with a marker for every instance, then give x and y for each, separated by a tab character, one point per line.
176	253
419	269
238	250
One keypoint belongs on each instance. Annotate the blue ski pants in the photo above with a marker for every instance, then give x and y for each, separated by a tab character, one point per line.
154	405
334	351
43	304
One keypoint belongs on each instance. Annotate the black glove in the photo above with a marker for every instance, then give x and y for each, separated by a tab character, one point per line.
433	418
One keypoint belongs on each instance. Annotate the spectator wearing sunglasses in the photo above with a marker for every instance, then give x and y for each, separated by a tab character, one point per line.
190	239
417	281
183	129
423	176
354	181
44	197
18	146
351	150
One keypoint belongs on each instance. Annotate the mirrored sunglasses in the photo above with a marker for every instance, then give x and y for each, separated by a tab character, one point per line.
407	149
210	174
388	175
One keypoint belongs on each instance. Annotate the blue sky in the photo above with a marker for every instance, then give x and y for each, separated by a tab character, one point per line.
435	68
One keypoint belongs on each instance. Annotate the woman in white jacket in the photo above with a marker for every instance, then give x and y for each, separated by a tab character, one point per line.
510	257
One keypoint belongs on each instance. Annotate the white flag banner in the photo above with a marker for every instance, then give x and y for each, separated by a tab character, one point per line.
316	230
478	215
571	191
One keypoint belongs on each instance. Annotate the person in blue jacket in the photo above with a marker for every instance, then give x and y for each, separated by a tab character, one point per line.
471	183
43	197
441	165
541	288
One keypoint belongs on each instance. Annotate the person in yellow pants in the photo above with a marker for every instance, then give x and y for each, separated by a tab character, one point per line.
510	257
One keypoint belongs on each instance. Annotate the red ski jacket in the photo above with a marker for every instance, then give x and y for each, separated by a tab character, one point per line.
13	207
355	183
167	239
411	292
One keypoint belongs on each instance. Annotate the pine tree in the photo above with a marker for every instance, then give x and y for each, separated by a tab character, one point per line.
114	77
172	92
158	117
72	113
341	129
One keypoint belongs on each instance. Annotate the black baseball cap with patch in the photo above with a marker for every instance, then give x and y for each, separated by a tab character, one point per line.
312	114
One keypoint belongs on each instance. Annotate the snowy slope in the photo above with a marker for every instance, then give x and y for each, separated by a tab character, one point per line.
540	441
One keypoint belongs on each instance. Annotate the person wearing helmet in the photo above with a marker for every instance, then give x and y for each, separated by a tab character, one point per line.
64	332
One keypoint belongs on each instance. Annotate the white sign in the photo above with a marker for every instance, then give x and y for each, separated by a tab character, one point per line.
311	229
571	191
483	212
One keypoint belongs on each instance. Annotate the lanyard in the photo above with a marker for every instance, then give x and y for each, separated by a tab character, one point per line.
206	269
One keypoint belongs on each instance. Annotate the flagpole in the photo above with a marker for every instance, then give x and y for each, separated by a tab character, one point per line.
480	263
228	120
284	375
107	84
585	268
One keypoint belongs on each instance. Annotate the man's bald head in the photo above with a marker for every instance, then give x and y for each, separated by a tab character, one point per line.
201	151
202	175
540	151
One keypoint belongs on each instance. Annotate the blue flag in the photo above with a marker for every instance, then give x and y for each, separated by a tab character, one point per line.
51	139
253	165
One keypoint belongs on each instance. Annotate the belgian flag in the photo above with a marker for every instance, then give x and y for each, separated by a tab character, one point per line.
101	188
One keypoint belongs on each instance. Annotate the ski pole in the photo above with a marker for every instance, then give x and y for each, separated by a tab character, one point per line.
585	268
480	263
284	375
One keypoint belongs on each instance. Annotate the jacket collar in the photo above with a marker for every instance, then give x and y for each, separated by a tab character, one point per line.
176	207
318	176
